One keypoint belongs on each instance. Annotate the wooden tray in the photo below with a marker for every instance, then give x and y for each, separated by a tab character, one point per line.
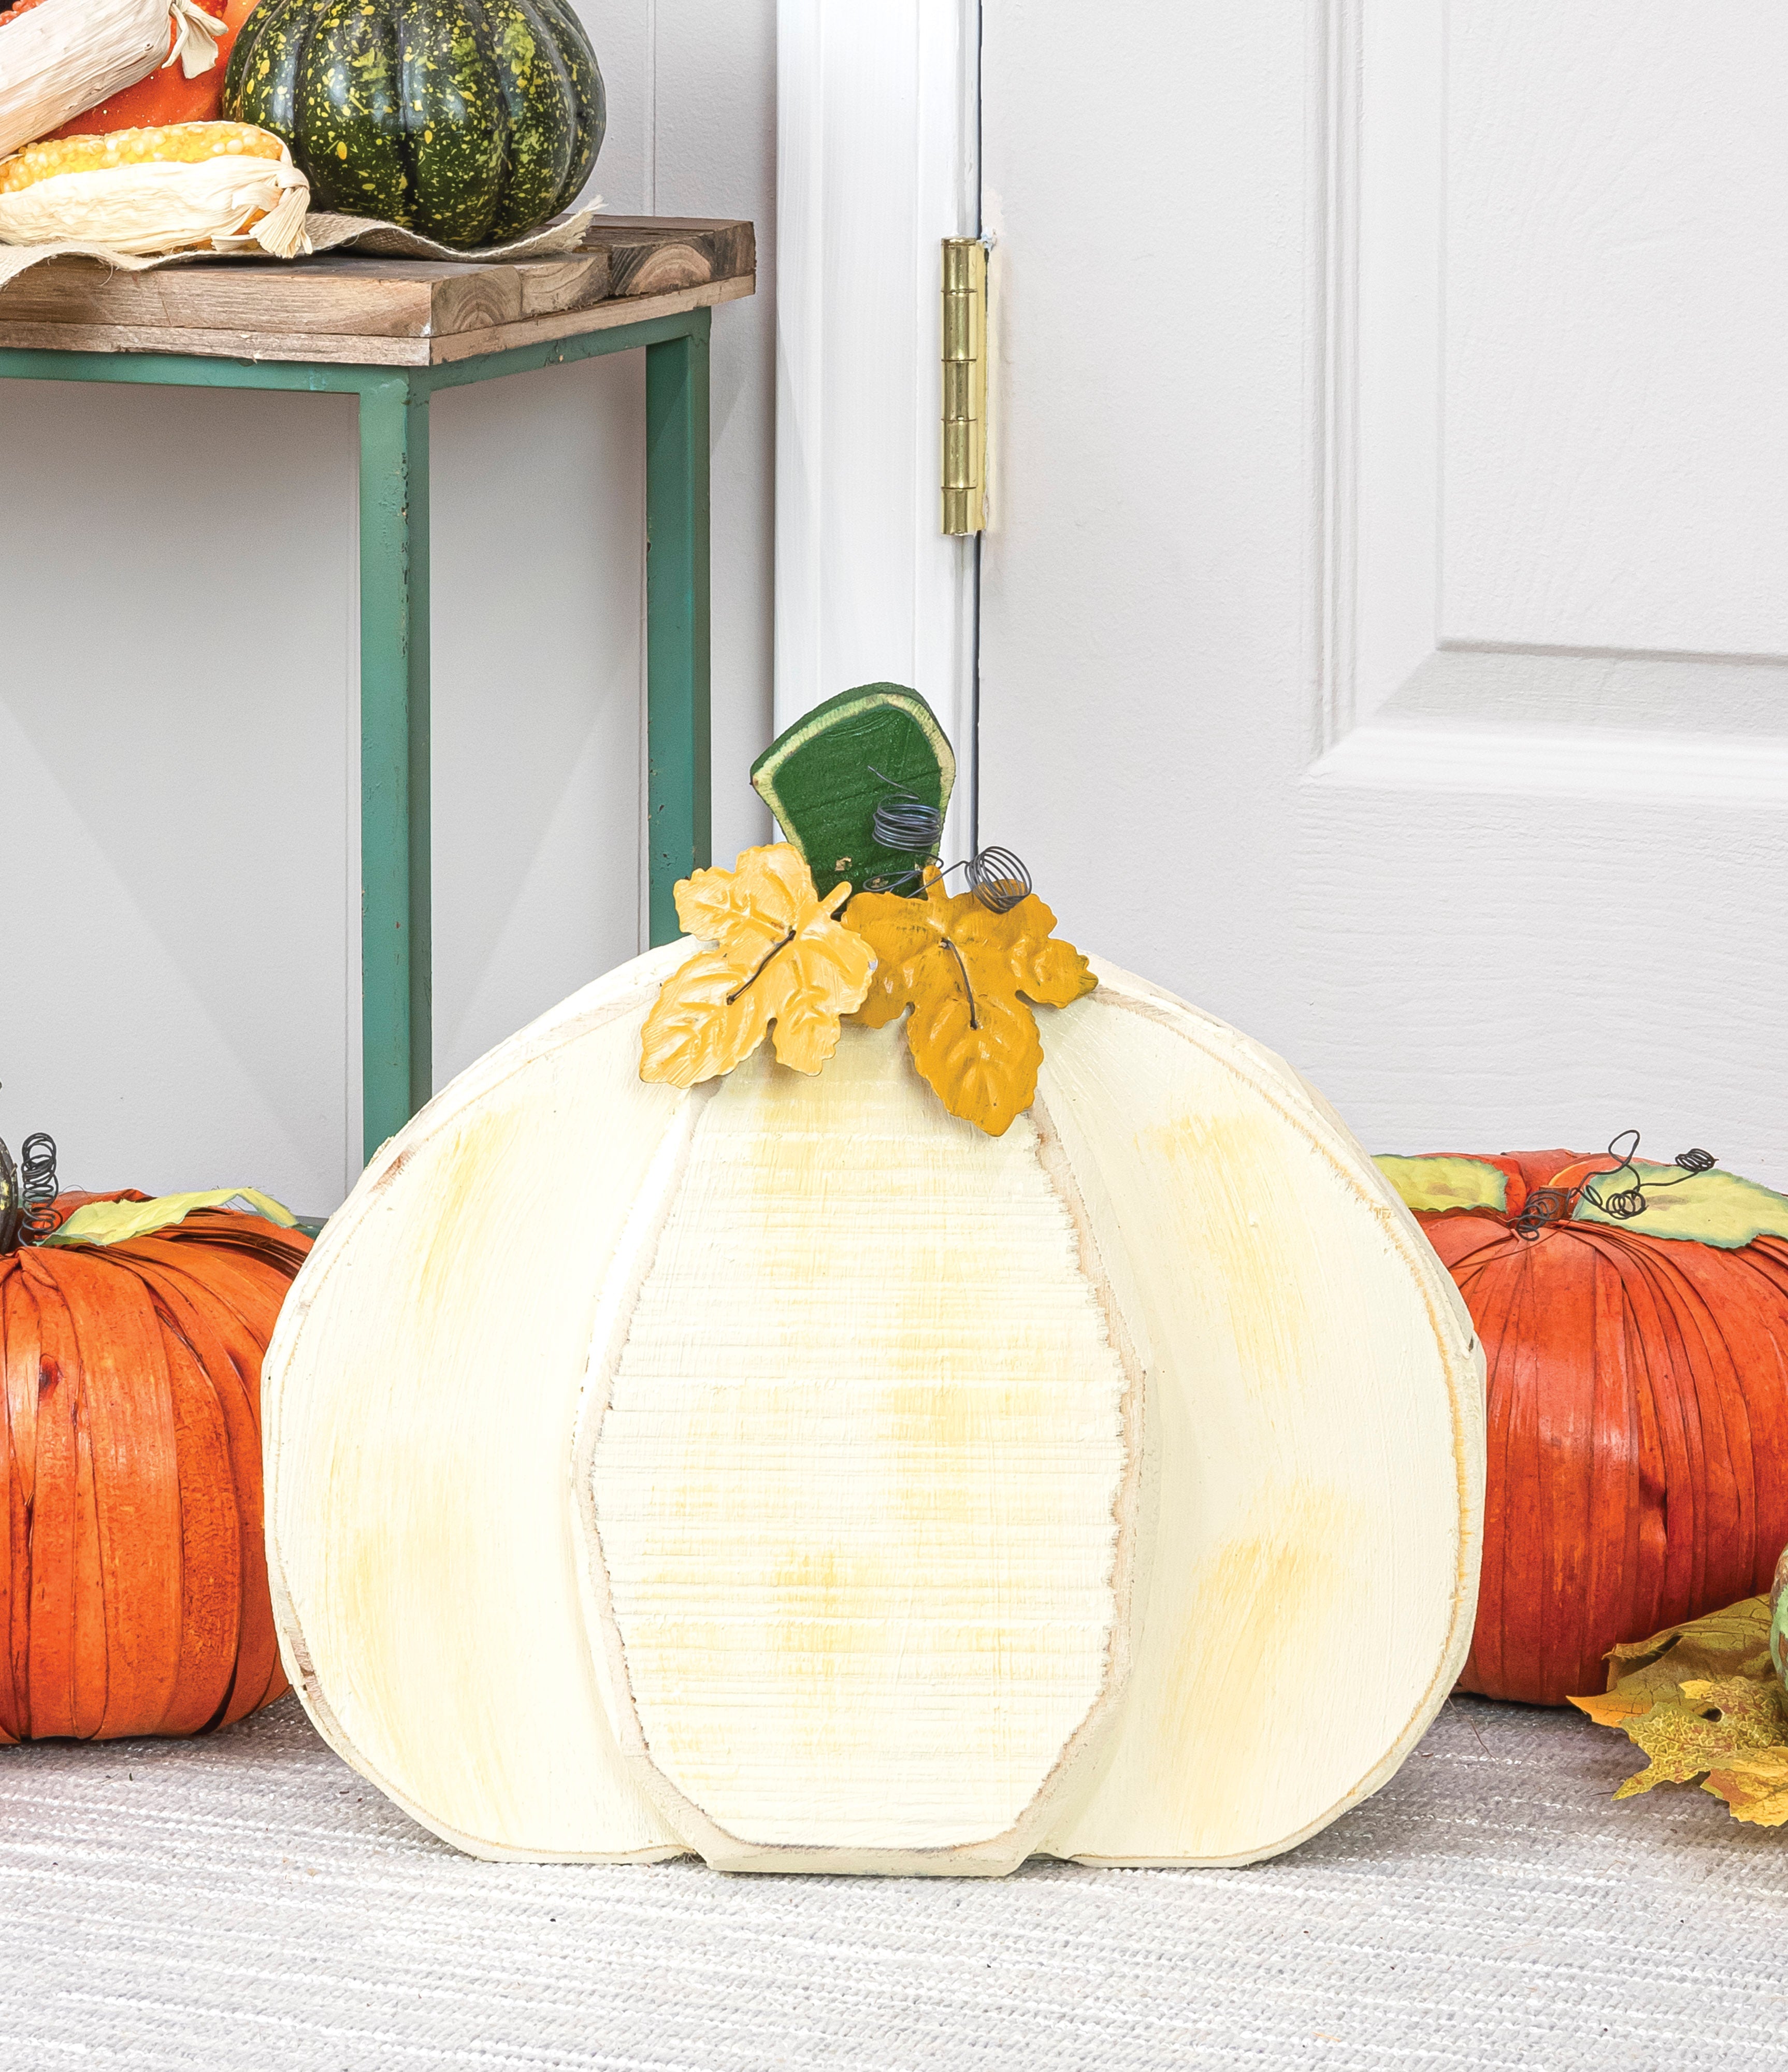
383	312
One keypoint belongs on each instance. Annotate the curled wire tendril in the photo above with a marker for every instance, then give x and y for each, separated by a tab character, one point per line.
1546	1206
904	823
37	1187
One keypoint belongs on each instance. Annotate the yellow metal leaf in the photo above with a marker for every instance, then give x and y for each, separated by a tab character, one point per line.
781	960
966	972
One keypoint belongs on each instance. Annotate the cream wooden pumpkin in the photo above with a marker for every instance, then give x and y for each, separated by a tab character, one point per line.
786	1471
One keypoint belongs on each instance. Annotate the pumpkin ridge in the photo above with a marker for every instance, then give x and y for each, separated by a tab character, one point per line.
126	1423
1503	1280
590	100
18	1363
49	1705
258	1675
175	1330
90	1679
827	1602
230	1282
209	1646
1688	1306
538	152
1758	1394
1695	1488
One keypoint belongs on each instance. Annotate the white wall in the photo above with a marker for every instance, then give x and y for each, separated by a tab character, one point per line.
179	959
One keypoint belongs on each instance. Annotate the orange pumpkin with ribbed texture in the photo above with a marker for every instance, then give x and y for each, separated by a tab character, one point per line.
133	1580
1634	1321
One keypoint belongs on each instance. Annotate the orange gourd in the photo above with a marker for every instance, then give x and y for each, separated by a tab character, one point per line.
1638	1407
168	95
133	1580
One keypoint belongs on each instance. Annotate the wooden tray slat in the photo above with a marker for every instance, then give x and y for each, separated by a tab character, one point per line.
348	309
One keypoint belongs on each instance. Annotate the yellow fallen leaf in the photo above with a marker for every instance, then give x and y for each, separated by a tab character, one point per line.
1705	1725
780	960
1756	1790
962	968
1734	1642
1701	1699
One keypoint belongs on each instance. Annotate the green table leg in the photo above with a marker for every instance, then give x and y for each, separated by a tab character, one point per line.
677	779
397	1028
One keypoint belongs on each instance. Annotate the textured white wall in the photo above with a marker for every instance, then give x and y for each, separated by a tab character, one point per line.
178	952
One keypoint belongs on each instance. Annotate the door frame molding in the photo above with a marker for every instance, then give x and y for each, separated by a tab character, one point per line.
877	127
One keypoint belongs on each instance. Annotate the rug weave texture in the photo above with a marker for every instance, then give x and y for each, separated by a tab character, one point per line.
246	1901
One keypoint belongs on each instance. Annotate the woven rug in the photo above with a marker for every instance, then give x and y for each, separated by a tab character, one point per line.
247	1901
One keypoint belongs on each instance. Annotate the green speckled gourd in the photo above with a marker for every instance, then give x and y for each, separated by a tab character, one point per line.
467	121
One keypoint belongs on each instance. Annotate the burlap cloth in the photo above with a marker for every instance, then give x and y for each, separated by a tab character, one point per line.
328	233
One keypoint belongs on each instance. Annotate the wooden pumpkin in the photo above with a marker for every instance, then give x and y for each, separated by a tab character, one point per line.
168	95
1638	1378
134	1590
784	1470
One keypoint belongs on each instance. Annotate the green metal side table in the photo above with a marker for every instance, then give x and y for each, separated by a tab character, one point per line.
394	332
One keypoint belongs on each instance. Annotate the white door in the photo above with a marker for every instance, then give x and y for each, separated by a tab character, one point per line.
1383	633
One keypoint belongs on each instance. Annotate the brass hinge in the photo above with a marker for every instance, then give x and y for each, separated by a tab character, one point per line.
964	384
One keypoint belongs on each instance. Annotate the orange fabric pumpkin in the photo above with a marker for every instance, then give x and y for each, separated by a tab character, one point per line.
133	1586
168	95
1637	1405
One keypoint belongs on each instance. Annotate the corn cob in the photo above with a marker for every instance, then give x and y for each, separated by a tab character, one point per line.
188	186
180	143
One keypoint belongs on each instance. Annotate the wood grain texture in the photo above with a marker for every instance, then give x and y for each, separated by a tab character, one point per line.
862	1462
431	1613
385	312
784	1471
1315	1412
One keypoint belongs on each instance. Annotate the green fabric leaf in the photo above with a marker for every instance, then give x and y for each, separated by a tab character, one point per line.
112	1223
1714	1208
1433	1185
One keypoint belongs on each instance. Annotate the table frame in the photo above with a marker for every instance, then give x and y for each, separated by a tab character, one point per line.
396	975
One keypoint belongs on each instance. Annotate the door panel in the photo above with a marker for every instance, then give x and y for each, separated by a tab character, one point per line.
1384	634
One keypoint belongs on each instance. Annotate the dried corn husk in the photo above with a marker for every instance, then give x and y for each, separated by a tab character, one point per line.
322	232
66	55
191	186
